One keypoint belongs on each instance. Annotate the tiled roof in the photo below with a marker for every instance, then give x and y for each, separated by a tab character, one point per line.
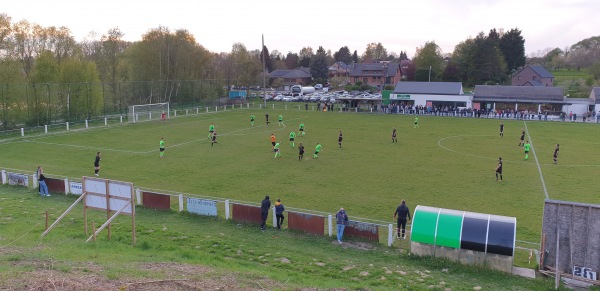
374	69
538	69
518	93
434	88
295	73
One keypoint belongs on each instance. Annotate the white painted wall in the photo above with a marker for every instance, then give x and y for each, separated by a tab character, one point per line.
421	100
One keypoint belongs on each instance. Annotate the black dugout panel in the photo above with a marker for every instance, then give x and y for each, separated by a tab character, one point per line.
474	234
501	238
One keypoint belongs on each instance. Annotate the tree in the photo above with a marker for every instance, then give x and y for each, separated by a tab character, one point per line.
479	61
595	70
374	52
291	61
403	56
5	31
355	57
80	80
512	47
428	61
318	64
306	53
343	55
267	59
451	73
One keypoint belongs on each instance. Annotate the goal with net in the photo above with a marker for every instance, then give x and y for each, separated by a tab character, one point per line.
147	112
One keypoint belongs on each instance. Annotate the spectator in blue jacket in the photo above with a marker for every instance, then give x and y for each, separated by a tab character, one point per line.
341	220
279	209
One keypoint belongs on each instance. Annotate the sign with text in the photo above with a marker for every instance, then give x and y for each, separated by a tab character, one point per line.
399	96
75	188
584	273
202	207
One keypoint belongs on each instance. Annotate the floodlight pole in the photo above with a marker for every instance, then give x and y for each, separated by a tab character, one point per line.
263	63
429	73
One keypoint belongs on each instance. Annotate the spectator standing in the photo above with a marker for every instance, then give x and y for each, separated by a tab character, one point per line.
42	181
402	212
341	219
279	209
264	212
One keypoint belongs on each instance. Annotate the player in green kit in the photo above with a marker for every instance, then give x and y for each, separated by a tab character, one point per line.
276	149
301	130
162	146
280	119
527	147
292	137
211	129
317	150
416	122
252	117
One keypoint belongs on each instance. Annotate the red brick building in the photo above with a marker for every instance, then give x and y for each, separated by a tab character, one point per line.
533	75
376	74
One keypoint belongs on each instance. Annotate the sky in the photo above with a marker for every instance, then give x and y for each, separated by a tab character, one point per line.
288	26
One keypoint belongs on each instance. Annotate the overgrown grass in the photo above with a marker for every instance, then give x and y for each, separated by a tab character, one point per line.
290	259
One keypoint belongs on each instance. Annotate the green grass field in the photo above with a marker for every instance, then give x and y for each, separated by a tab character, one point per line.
446	162
179	251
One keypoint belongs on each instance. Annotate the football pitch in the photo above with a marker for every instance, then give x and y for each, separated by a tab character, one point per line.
446	162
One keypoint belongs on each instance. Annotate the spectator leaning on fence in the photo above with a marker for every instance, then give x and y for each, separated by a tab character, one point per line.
341	219
264	212
42	181
279	209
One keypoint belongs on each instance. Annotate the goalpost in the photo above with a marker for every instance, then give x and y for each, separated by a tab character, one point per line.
147	112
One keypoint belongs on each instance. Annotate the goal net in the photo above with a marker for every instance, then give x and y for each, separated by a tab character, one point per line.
147	112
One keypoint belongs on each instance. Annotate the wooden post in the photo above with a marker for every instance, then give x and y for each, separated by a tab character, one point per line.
46	220
107	207
133	240
556	268
84	207
543	252
94	230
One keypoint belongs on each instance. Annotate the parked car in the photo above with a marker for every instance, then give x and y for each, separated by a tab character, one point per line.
319	86
278	98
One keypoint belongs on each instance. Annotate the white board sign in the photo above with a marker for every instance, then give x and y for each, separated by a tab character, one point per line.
120	189
584	272
118	204
202	207
95	186
95	201
75	188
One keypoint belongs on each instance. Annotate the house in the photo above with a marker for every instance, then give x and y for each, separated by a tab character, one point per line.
533	75
298	76
376	74
339	69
